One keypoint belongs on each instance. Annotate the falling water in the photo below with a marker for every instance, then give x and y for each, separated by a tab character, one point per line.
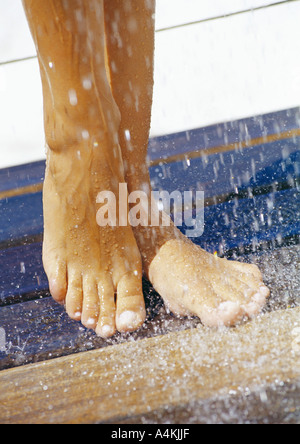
245	167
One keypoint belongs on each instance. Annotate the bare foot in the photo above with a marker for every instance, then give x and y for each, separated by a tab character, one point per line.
194	282
95	271
88	265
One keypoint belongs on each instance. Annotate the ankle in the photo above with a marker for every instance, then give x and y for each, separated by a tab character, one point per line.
80	120
64	130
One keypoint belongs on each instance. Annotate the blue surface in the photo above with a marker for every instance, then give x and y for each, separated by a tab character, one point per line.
225	173
21	216
261	183
231	225
181	143
21	272
22	176
218	174
225	133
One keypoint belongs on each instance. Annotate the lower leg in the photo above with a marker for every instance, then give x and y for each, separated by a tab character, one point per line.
189	279
130	42
86	264
130	29
69	38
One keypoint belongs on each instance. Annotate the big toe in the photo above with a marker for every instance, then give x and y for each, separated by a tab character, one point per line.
227	313
257	302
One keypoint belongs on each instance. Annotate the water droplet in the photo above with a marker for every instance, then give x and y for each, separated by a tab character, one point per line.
87	83
85	135
22	265
73	97
127	135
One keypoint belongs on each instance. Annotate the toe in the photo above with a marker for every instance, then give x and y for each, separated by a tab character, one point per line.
74	298
250	276
248	279
229	288
227	313
131	311
57	277
257	302
106	326
90	308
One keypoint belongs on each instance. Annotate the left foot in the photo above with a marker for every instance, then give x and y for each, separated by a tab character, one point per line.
95	271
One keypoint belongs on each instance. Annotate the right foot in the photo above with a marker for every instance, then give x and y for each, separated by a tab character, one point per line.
193	282
88	265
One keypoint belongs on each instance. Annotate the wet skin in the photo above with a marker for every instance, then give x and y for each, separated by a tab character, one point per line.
90	107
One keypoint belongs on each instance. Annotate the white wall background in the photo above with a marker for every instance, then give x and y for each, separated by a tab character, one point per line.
206	72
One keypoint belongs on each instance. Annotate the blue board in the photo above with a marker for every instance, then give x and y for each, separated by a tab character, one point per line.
249	171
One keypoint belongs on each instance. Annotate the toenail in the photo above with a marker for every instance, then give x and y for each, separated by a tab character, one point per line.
91	321
107	330
264	291
228	306
128	319
259	298
251	309
77	314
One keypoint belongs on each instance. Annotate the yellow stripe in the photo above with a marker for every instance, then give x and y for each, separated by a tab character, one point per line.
179	157
30	189
225	148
